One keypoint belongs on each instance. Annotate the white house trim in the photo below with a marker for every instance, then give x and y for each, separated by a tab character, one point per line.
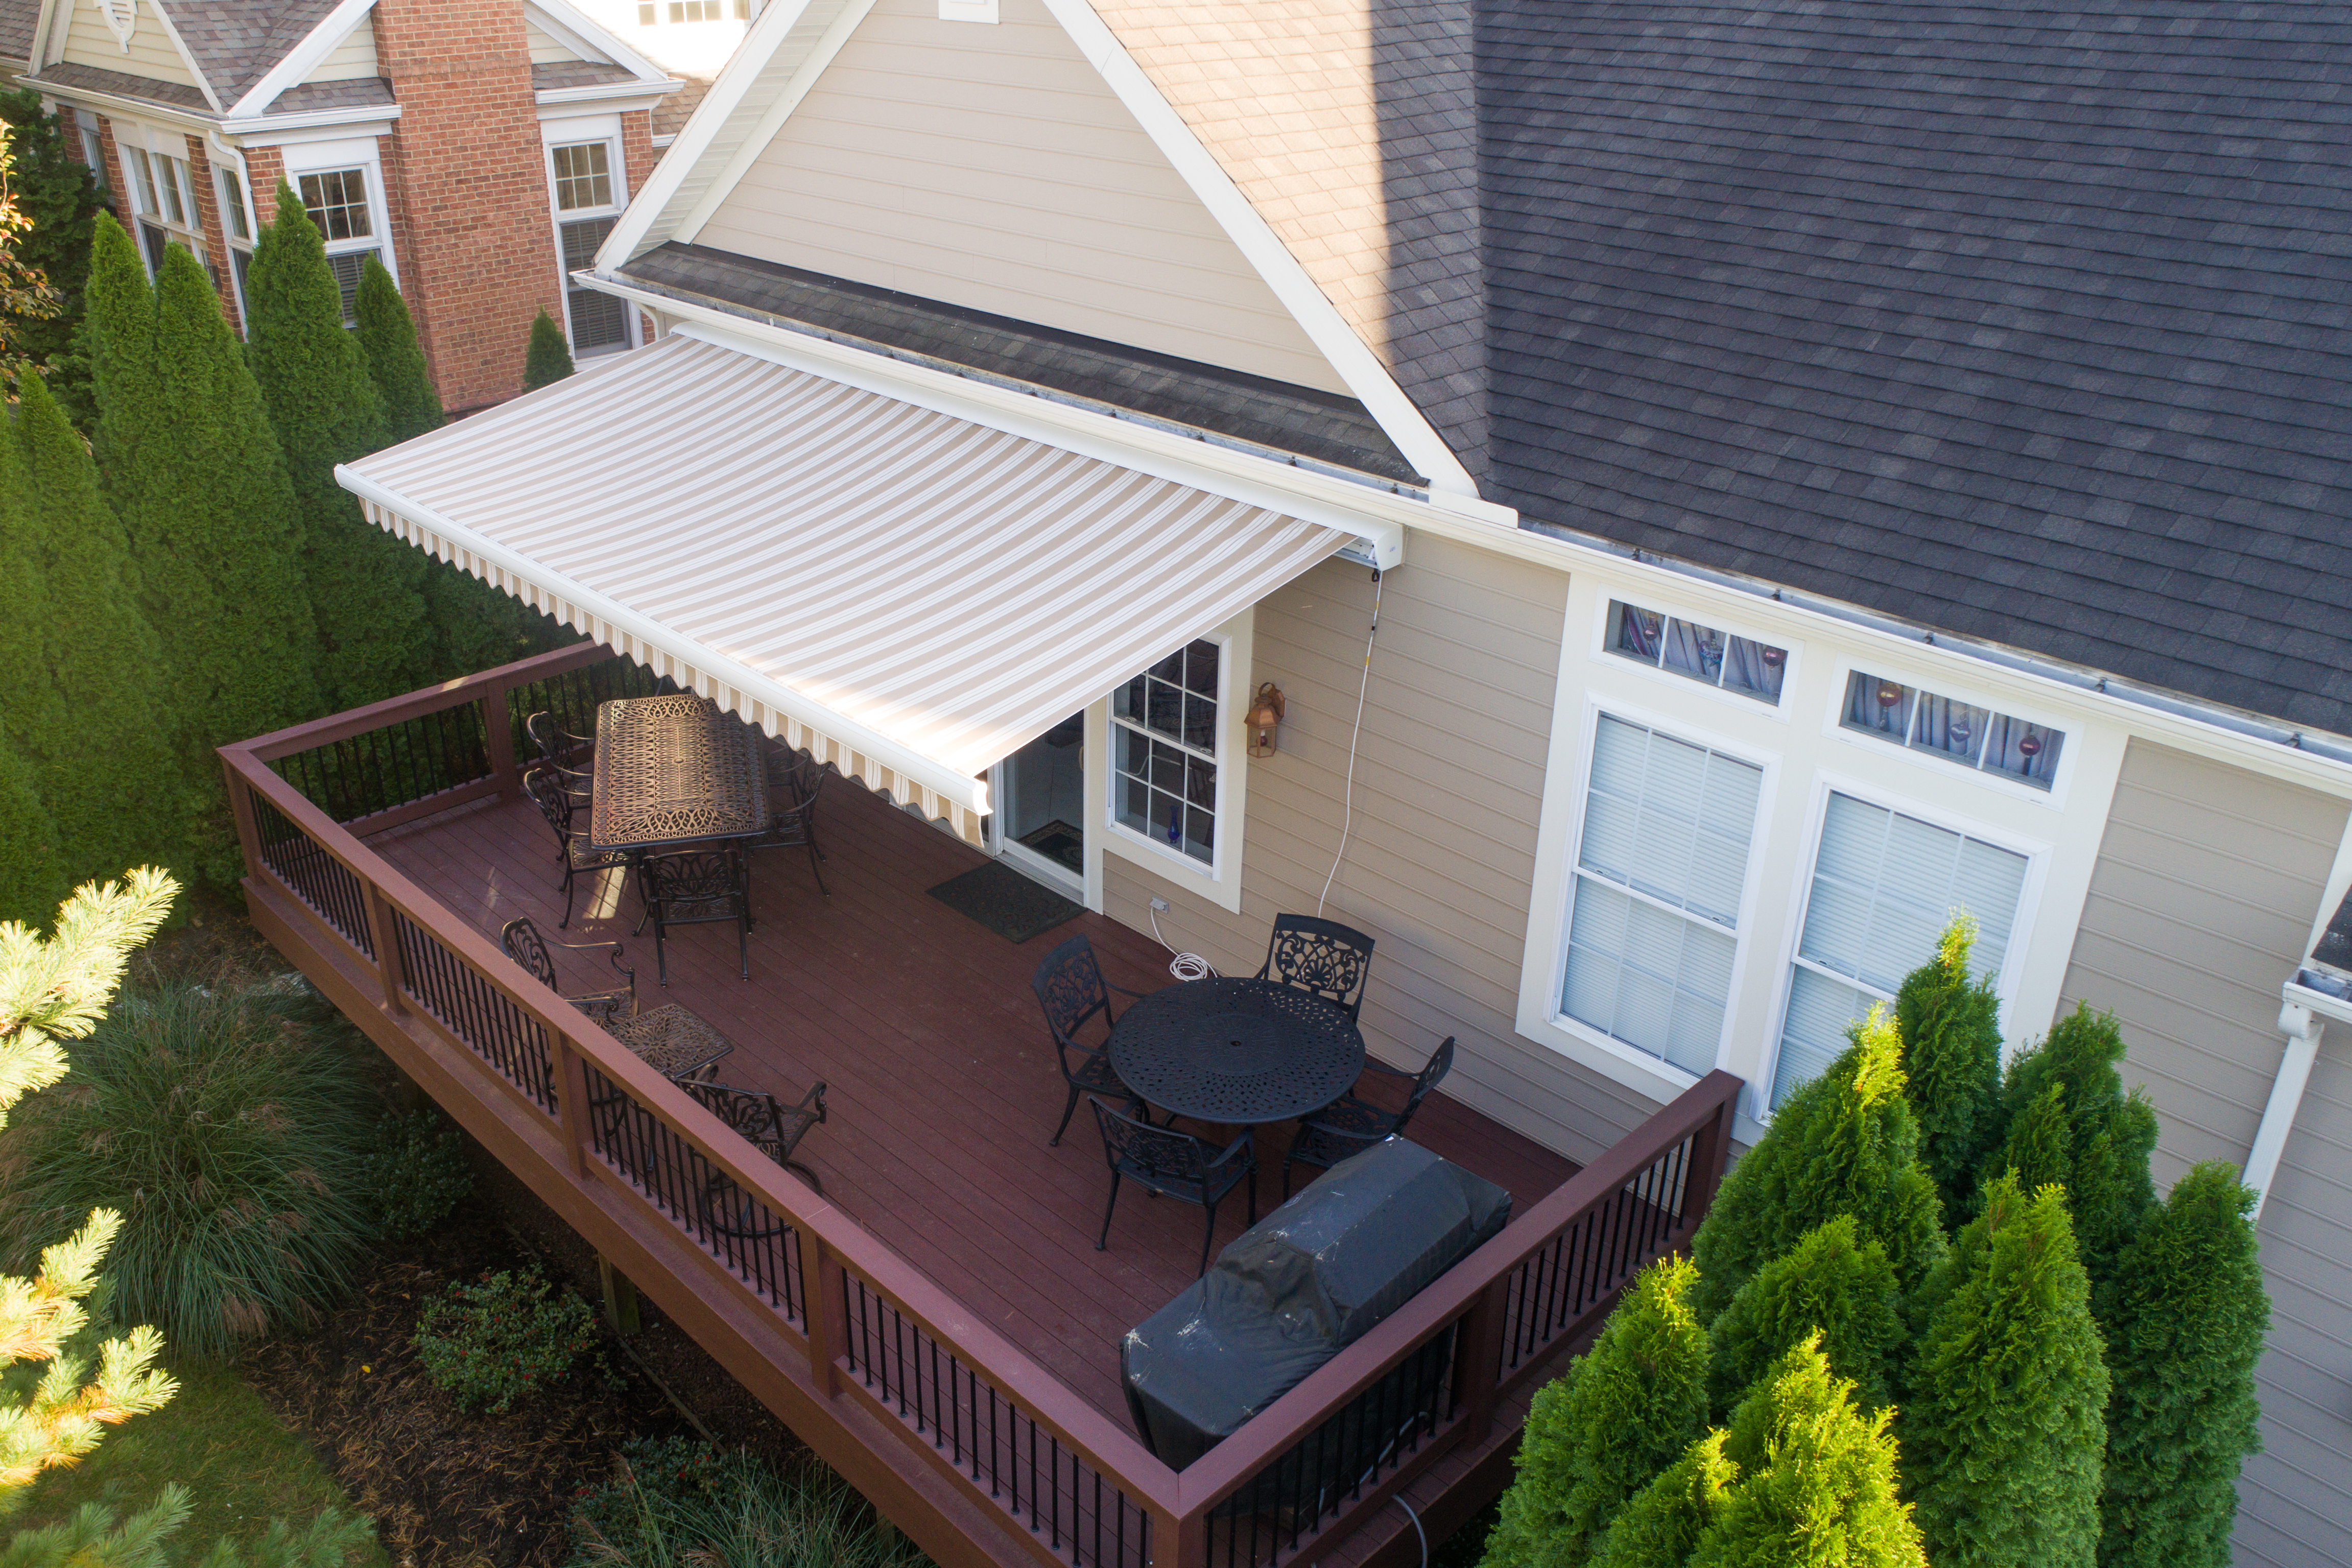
805	77
589	38
303	57
204	83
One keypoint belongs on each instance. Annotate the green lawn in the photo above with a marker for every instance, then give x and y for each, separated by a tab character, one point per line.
240	1465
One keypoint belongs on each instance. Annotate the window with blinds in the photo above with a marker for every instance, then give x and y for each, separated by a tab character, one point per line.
599	321
1884	885
1661	861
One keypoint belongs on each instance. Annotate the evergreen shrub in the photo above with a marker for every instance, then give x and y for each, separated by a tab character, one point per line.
549	358
31	873
503	1339
1845	1143
417	1171
1950	1026
1625	1411
2072	1123
396	360
225	1122
1834	1285
676	1502
2188	1318
1667	1519
53	190
2002	1424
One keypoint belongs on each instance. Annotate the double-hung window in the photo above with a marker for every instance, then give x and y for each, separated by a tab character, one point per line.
1164	735
147	182
1660	869
231	187
1885	885
337	201
588	202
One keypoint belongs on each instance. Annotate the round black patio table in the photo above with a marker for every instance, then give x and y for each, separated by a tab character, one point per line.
1236	1052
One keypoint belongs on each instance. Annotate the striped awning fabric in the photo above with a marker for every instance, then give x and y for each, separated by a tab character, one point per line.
908	594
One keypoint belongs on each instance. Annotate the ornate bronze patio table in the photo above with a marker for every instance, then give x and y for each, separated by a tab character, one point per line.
674	770
1236	1052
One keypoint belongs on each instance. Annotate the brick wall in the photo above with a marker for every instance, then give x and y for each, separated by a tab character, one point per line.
208	219
264	167
476	249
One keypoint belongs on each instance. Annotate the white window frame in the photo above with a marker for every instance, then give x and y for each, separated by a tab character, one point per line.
166	153
2037	855
1220	880
2069	755
328	157
1578	1040
1604	635
576	131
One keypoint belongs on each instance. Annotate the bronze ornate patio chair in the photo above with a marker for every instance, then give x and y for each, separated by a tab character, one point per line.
1349	1126
696	886
1320	957
1174	1165
558	747
775	1127
557	804
1070	986
795	827
524	944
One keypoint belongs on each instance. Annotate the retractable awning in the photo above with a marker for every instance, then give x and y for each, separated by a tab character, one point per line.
908	594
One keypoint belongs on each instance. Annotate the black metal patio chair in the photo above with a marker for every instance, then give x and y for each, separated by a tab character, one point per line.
696	886
1070	986
557	803
1174	1165
795	827
558	747
1349	1126
1320	957
525	946
774	1128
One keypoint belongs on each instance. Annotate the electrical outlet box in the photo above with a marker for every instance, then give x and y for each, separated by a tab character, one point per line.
1159	905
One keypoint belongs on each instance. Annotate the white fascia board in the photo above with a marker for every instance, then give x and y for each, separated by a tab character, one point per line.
1349	354
50	10
969	792
303	57
587	37
204	82
317	124
804	78
611	96
693	143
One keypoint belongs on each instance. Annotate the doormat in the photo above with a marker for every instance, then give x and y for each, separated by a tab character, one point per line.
1005	901
1059	842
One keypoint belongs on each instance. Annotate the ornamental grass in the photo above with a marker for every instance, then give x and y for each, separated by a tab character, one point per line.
678	1504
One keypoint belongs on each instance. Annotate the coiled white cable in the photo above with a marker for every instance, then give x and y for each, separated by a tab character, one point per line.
1184	965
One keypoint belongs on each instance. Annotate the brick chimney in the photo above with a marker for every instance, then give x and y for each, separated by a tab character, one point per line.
465	177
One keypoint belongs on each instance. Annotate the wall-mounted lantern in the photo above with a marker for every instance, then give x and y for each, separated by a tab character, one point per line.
1266	712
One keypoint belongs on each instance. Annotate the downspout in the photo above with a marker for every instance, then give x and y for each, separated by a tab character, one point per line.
2302	1029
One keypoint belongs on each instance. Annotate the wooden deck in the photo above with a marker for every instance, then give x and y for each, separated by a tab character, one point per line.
942	1084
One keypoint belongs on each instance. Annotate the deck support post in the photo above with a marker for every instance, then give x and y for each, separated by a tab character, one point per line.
498	740
387	950
1478	1361
572	1105
620	1297
825	1311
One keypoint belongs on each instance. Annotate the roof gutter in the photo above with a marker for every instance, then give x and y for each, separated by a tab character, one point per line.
2082	678
197	119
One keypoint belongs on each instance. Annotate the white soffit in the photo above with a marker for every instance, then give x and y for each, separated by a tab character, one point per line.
908	594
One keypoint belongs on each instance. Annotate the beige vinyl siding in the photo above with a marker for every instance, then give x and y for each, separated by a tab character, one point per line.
990	167
1440	863
545	50
353	59
152	54
2208	881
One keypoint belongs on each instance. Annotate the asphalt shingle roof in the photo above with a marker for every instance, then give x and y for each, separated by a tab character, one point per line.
236	42
17	19
2027	324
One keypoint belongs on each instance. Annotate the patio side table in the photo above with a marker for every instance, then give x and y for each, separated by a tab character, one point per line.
674	1041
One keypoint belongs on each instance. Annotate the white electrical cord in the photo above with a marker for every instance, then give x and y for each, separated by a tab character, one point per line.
1348	801
1416	1529
1184	965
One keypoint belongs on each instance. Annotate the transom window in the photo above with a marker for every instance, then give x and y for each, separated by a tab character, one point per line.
1956	732
337	202
1661	864
695	10
584	177
1885	885
1164	738
1696	652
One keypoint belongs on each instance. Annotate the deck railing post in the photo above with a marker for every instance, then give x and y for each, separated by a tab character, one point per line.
572	1102
825	1311
240	800
498	739
1478	1360
1710	1151
387	948
1180	1539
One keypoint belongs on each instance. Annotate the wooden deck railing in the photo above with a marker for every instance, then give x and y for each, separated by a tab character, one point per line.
858	1326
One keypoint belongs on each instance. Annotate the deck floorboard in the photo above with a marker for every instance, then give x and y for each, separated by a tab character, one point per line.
941	1084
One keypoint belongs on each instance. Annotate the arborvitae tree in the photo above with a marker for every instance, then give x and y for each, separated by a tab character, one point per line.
118	335
124	809
1950	1026
1817	1482
1625	1411
212	522
1668	1517
1845	1143
548	359
34	714
395	361
54	189
2004	1430
31	874
1834	1285
2088	1136
364	585
2189	1315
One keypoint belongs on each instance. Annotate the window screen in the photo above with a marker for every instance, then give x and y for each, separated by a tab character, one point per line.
1883	887
1164	749
583	177
338	204
1660	866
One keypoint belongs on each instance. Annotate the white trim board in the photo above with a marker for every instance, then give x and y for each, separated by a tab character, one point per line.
303	57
